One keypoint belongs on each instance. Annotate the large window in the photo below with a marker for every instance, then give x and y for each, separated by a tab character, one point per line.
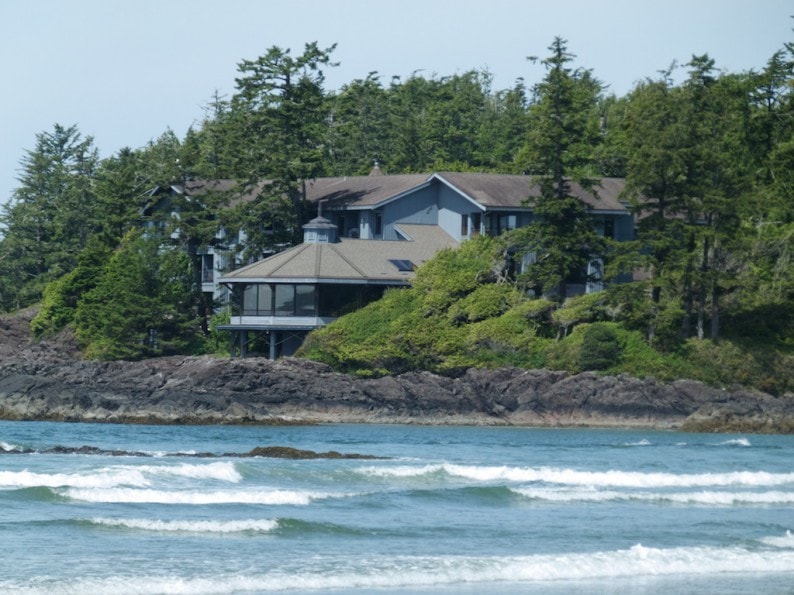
304	300
264	299
497	223
250	300
300	299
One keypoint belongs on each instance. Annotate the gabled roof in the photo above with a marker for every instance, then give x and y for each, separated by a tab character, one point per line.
349	260
362	191
498	191
490	191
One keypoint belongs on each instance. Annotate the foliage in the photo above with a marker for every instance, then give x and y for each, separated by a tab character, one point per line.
453	274
139	306
217	340
282	110
709	165
600	347
49	219
62	295
560	242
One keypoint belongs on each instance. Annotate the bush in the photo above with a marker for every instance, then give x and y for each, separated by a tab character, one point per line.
600	348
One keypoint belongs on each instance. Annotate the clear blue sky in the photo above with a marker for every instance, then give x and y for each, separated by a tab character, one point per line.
125	71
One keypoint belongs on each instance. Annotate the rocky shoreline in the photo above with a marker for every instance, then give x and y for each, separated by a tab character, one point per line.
207	390
47	381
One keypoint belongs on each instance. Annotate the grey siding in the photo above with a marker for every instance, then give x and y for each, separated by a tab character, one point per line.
419	207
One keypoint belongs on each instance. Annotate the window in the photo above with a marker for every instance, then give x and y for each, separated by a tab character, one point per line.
404	266
378	224
498	223
336	300
609	228
304	300
207	268
249	300
464	225
476	219
258	300
285	300
264	302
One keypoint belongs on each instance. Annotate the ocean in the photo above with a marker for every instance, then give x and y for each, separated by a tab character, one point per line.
176	509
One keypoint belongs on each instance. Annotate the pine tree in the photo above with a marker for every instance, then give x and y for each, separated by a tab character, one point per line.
281	104
51	216
561	241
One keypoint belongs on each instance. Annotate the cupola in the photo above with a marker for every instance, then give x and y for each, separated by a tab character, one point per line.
320	230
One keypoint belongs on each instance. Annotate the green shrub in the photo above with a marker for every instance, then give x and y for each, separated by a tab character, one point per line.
600	348
486	301
577	310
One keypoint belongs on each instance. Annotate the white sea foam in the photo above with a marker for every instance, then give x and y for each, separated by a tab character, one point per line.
337	573
249	525
222	471
105	478
642	442
709	498
116	476
610	478
401	470
164	453
8	447
786	541
735	442
261	496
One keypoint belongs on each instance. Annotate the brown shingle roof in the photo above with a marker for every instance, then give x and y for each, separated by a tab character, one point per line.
493	191
352	260
510	191
361	191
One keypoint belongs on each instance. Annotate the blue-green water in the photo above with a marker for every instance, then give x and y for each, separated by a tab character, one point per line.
447	510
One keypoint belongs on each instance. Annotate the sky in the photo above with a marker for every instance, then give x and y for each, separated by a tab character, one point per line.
126	71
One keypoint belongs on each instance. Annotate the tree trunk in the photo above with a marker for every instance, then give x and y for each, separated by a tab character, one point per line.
715	312
704	265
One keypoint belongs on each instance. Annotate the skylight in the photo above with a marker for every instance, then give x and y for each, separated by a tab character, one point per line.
404	266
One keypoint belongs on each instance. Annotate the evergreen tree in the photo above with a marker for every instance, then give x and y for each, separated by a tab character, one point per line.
561	241
120	184
282	105
51	215
503	128
62	295
140	305
412	149
359	134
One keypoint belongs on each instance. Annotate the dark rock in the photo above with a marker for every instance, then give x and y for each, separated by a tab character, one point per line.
47	380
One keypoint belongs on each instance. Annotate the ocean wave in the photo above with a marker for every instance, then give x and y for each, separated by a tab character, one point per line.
403	572
190	526
222	471
561	476
643	442
197	497
709	498
105	478
116	476
735	442
9	447
786	541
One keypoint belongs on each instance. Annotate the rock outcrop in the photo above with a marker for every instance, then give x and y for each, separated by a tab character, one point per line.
199	390
48	381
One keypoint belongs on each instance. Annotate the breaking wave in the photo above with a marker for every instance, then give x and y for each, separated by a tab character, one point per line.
111	477
708	498
190	526
405	572
561	476
197	497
